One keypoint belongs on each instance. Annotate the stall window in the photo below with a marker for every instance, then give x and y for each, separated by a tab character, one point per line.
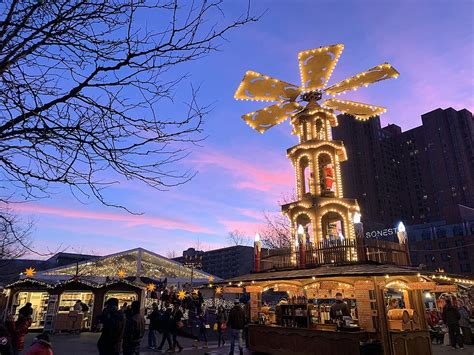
123	297
39	303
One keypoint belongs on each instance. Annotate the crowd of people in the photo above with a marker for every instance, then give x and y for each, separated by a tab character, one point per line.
122	329
450	326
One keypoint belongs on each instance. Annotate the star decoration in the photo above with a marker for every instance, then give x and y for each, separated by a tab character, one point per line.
195	291
151	287
181	295
30	272
121	273
218	290
210	278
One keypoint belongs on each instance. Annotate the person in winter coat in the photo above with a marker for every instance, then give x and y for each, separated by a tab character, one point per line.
451	318
236	322
166	326
26	311
41	346
221	320
134	330
465	325
202	325
113	321
154	326
18	332
6	347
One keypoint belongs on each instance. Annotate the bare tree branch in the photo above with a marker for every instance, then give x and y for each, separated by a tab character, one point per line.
84	86
237	237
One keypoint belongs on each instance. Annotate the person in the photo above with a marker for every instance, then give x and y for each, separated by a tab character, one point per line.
19	329
202	325
84	308
26	311
113	323
177	324
124	307
134	330
236	322
393	304
78	306
166	327
451	317
339	309
6	347
41	345
154	325
465	325
221	319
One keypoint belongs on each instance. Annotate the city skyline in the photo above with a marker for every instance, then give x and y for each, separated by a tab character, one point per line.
240	172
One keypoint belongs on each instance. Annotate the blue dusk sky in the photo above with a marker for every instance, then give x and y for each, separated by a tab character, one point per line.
241	173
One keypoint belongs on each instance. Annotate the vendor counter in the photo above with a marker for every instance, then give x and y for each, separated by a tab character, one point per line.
275	339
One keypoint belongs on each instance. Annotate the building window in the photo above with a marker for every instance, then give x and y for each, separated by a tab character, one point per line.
465	268
441	233
443	245
426	235
459	243
458	231
445	256
430	258
462	255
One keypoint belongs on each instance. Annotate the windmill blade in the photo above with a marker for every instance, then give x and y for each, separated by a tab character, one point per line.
378	73
270	116
259	87
357	109
316	66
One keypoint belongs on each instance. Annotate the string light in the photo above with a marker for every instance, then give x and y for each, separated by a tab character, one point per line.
312	72
370	76
363	111
266	88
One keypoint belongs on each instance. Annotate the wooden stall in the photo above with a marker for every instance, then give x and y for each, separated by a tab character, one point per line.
290	310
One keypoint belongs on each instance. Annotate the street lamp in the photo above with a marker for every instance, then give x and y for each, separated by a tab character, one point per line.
194	262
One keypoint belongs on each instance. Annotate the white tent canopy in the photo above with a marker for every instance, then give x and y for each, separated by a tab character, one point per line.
137	262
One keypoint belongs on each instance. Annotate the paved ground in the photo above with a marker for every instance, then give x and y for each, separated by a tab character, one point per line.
85	343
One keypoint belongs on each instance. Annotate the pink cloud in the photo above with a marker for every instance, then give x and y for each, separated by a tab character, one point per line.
249	228
128	219
249	175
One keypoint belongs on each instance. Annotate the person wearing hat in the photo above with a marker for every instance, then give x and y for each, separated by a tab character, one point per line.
41	346
113	320
236	323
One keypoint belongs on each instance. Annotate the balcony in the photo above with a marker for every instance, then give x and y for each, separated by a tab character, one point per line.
336	253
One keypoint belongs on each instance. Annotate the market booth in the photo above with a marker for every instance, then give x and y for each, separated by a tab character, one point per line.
290	309
133	275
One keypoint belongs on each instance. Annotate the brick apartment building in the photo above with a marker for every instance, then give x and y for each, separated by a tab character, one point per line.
423	177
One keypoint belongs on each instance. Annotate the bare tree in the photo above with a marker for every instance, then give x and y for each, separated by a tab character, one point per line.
15	238
237	237
171	254
277	231
83	83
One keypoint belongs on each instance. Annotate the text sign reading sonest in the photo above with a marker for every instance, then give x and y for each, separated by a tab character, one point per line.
381	233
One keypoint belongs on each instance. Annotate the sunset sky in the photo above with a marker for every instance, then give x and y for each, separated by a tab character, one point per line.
242	173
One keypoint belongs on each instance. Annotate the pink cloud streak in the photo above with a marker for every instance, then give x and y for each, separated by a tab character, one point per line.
128	219
248	175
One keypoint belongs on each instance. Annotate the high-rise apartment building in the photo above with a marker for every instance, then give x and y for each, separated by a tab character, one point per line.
417	176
